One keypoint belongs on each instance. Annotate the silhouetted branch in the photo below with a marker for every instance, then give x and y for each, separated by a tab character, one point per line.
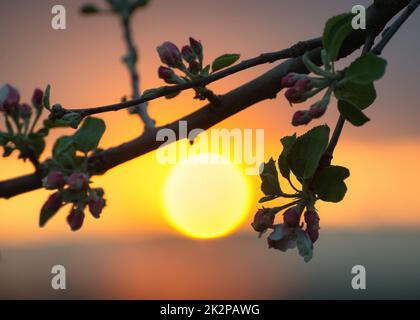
264	87
131	62
294	51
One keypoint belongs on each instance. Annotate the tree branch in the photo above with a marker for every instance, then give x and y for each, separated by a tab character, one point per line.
264	87
294	51
392	30
131	62
387	36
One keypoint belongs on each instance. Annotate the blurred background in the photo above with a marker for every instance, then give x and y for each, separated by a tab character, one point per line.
133	252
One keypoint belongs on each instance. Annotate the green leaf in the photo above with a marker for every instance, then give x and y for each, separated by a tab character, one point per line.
270	182
46	215
366	69
224	61
352	113
329	184
46	98
361	95
89	9
307	151
335	32
88	136
64	152
283	164
304	244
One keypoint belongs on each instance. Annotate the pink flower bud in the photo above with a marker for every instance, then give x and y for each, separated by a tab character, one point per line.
264	219
293	95
196	46
291	218
78	181
54	203
75	219
289	81
37	97
188	53
304	85
312	219
25	110
165	73
12	99
318	109
194	67
96	205
169	54
313	234
54	180
301	118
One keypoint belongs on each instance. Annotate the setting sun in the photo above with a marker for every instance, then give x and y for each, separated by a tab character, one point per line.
206	196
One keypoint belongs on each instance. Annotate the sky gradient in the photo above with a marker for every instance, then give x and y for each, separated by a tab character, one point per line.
83	65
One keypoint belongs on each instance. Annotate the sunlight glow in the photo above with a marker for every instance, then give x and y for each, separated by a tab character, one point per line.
206	196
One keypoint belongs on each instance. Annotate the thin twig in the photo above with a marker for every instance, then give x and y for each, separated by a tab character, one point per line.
387	36
132	57
392	30
294	51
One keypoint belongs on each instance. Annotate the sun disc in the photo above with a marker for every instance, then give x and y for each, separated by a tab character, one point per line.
206	196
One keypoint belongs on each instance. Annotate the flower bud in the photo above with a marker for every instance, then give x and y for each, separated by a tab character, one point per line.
264	219
289	80
294	96
169	54
301	118
318	109
25	110
197	47
78	181
303	85
312	219
54	180
54	203
291	218
37	97
194	67
75	219
313	234
188	54
165	73
13	97
96	205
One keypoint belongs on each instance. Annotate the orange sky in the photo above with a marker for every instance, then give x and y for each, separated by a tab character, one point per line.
83	66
